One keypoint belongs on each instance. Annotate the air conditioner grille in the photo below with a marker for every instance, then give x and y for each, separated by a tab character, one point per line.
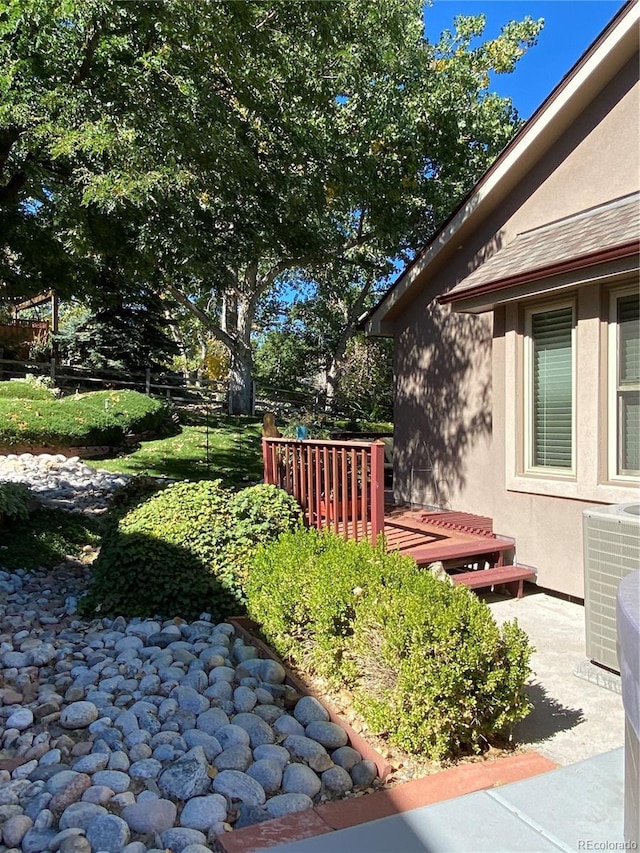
611	551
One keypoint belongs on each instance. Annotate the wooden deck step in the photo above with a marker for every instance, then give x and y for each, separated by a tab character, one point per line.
512	577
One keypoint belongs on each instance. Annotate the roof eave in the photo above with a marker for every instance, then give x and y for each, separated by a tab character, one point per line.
601	61
602	256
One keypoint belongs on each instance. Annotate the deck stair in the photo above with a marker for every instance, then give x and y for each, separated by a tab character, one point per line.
513	577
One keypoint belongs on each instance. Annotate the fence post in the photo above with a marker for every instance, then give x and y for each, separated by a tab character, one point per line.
53	369
377	490
148	381
253	397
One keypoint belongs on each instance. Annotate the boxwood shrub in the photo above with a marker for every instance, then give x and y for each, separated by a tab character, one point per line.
186	550
96	418
434	670
305	588
428	665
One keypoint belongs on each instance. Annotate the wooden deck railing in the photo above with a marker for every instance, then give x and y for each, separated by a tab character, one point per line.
338	484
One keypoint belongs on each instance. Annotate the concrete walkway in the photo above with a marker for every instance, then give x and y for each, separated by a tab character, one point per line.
573	808
573	718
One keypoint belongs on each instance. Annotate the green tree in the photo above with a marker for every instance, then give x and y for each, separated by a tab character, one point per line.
229	143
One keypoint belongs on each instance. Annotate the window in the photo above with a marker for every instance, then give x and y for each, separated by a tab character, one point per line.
624	384
549	403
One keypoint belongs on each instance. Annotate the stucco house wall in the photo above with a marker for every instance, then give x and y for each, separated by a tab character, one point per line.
459	387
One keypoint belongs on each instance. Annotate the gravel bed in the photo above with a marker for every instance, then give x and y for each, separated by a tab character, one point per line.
142	735
62	483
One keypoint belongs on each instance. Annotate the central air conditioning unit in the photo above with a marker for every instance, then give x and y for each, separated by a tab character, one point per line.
611	551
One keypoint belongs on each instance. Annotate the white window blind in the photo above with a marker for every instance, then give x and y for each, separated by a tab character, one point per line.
552	389
628	384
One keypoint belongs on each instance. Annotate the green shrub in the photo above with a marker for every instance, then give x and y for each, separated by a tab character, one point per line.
47	539
25	391
14	500
139	489
100	417
435	672
427	663
305	588
185	550
257	514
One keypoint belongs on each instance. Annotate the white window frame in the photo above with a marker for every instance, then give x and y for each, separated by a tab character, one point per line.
612	407
529	467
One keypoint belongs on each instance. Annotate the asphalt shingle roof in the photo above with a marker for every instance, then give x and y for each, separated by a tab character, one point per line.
592	231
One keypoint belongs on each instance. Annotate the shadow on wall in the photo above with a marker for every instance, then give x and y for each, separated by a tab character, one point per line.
443	399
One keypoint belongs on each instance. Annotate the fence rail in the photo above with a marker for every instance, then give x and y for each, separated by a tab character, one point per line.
172	387
338	484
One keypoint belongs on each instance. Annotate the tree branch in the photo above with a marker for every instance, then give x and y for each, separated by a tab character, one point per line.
10	190
90	46
204	318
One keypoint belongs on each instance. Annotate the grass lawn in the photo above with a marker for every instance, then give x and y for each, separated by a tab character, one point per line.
234	452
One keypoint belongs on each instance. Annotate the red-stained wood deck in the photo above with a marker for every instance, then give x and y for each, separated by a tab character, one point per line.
455	539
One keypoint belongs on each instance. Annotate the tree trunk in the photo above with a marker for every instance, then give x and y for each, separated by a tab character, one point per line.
237	317
240	385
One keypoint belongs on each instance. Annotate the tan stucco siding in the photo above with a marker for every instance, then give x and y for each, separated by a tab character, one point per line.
443	394
458	377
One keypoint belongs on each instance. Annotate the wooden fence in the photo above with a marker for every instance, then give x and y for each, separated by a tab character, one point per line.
171	386
338	484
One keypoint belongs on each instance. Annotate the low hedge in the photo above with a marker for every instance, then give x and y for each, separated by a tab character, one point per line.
427	664
186	550
96	418
305	588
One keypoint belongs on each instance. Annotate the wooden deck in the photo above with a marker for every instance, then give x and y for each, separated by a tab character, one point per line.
455	539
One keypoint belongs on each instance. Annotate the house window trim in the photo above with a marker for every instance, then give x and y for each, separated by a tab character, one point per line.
529	469
612	427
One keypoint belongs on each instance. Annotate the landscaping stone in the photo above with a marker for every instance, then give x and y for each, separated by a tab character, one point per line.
258	730
363	774
285	804
177	840
310	751
336	780
309	710
186	777
150	816
235	758
330	735
202	812
79	715
117	729
300	779
268	772
108	833
346	756
273	751
239	786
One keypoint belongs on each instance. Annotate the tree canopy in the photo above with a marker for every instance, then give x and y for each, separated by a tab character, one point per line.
205	149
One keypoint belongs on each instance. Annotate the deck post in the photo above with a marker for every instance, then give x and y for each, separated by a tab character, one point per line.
377	490
267	460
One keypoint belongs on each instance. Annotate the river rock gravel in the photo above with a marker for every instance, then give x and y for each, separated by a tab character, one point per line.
141	736
61	482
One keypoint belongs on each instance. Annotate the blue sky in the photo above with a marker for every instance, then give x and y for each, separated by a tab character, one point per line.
570	27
